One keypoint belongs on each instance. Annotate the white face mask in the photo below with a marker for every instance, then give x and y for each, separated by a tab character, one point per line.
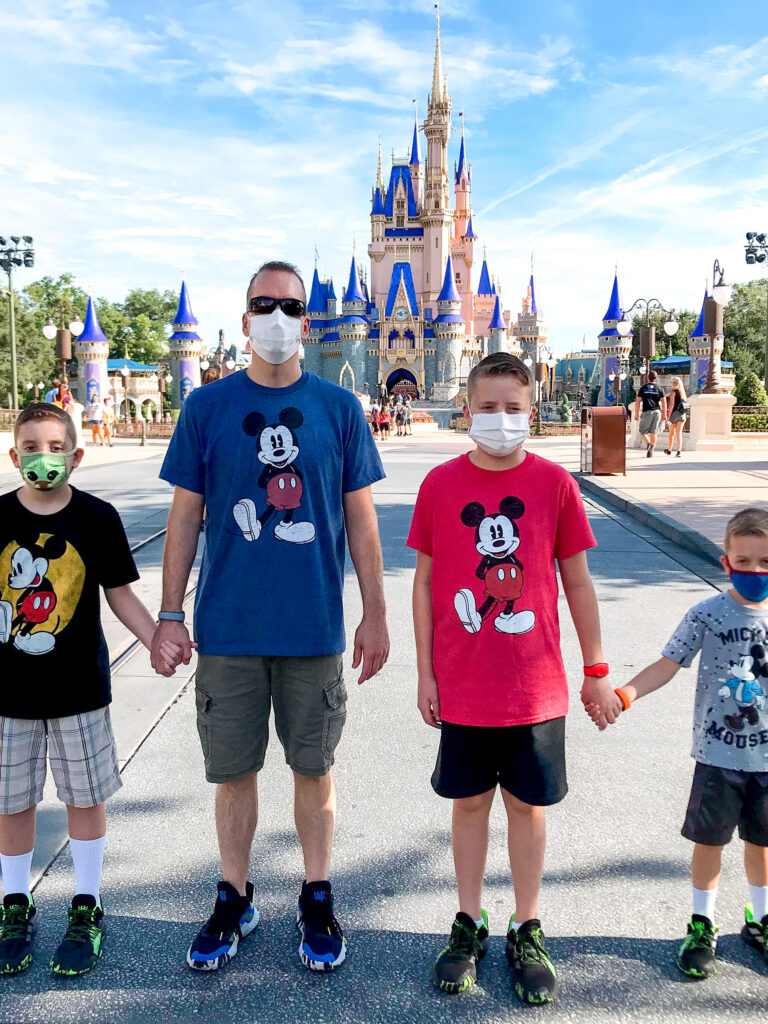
499	433
274	336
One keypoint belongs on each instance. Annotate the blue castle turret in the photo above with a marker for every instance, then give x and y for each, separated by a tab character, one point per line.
186	346
698	349
449	330
92	349
353	329
614	349
498	340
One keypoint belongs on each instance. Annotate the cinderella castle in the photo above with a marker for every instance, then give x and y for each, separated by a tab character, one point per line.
416	323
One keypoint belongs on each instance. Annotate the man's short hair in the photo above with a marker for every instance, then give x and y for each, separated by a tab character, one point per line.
750	522
651	375
46	411
500	364
282	267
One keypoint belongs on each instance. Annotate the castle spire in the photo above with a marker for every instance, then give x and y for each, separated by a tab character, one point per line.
449	292
354	292
379	175
92	328
438	84
415	149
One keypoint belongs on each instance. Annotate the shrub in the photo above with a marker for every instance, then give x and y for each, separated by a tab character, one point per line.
750	391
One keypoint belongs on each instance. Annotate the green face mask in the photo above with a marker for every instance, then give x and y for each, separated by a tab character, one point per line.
44	470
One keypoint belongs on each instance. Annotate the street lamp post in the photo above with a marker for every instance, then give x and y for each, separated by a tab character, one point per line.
648	332
757	252
713	326
63	336
126	372
15	255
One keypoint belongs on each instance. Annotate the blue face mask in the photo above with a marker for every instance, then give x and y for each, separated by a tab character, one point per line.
753	586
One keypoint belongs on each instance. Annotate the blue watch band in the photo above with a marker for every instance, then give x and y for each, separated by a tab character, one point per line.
171	616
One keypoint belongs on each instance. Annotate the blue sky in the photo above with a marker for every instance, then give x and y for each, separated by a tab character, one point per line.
142	140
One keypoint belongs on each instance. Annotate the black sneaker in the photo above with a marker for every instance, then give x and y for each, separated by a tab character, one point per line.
322	946
697	954
754	932
455	969
17	929
83	940
534	974
233	918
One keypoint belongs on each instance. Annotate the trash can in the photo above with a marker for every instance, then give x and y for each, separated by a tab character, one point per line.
604	440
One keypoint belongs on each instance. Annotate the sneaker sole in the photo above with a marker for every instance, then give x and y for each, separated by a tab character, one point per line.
59	972
220	961
11	969
693	973
321	966
538	998
752	940
451	988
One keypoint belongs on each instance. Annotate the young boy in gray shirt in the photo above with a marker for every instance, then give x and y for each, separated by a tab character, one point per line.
730	735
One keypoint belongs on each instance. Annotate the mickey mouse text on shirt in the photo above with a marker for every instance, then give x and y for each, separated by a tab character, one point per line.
278	449
496	540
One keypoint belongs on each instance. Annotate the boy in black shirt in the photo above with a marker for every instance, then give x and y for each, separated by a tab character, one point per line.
57	545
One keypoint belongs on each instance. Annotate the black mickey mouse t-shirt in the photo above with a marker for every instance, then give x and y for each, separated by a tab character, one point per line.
53	656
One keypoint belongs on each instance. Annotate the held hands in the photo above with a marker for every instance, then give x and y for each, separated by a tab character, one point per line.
170	648
428	701
600	701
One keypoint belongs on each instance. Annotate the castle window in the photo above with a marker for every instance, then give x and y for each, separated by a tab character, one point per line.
400	205
435	243
400	222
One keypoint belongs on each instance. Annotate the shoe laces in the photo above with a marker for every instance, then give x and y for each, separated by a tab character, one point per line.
225	918
699	936
464	939
530	946
319	918
82	926
14	921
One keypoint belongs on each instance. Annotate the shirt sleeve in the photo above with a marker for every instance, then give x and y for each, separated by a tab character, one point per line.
362	465
420	533
184	463
685	643
574	533
117	567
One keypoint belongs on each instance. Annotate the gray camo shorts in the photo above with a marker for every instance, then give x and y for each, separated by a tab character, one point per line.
80	748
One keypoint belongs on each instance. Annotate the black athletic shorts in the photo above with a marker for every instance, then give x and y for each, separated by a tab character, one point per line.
526	760
721	799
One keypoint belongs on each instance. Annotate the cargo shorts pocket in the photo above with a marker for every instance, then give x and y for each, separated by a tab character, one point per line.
203	703
334	716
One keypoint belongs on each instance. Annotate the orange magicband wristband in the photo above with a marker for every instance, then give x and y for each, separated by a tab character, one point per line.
623	698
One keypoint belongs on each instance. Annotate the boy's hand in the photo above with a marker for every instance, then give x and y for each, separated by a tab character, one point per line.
428	701
175	634
599	694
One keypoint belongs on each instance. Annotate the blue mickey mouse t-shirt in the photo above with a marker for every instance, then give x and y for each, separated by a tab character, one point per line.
273	465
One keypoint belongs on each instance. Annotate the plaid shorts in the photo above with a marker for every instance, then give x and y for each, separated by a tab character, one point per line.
81	749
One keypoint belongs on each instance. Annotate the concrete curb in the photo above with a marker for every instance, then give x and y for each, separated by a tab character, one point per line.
649	516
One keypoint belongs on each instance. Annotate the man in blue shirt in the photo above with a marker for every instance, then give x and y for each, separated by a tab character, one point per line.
282	462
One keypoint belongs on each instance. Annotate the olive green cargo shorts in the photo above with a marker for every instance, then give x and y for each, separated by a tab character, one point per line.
234	695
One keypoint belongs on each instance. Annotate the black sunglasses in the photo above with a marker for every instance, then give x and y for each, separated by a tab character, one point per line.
264	304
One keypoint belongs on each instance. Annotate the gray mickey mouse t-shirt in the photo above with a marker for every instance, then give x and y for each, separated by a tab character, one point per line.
730	719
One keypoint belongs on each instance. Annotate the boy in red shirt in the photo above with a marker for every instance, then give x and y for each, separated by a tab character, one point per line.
488	528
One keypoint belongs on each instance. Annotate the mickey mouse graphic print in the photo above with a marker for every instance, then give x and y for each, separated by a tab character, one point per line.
53	656
494	539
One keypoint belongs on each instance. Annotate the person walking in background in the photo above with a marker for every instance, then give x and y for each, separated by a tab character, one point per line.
62	399
51	393
651	398
677	411
210	374
108	421
384	420
408	415
375	417
96	419
400	420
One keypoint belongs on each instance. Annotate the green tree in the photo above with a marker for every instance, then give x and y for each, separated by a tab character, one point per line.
143	333
686	319
745	329
35	360
750	391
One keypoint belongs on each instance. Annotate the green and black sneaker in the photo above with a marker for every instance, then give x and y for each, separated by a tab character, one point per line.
17	929
455	969
754	932
697	954
83	940
535	978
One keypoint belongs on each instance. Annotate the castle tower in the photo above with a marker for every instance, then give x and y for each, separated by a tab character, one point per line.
377	248
92	349
416	166
437	216
613	347
353	333
186	346
401	362
449	329
317	310
529	331
485	300
463	241
499	339
698	347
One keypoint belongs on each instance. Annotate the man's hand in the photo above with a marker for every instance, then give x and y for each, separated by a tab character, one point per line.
428	701
600	702
171	647
371	646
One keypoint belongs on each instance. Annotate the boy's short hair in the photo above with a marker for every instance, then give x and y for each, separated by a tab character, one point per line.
651	375
750	522
500	364
46	411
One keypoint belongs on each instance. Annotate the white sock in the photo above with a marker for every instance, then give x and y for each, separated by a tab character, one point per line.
479	923
16	872
704	902
88	857
515	925
758	895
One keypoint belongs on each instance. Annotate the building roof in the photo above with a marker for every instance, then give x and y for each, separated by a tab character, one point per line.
470	232
614	311
354	292
534	307
133	366
698	330
316	303
400	173
484	287
449	292
185	336
377	210
184	314
401	272
497	321
92	328
448	318
331	295
353	318
463	165
415	148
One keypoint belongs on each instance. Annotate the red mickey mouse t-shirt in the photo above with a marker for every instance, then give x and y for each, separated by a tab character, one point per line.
494	538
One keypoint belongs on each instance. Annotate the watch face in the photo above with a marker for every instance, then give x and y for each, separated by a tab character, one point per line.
401	313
